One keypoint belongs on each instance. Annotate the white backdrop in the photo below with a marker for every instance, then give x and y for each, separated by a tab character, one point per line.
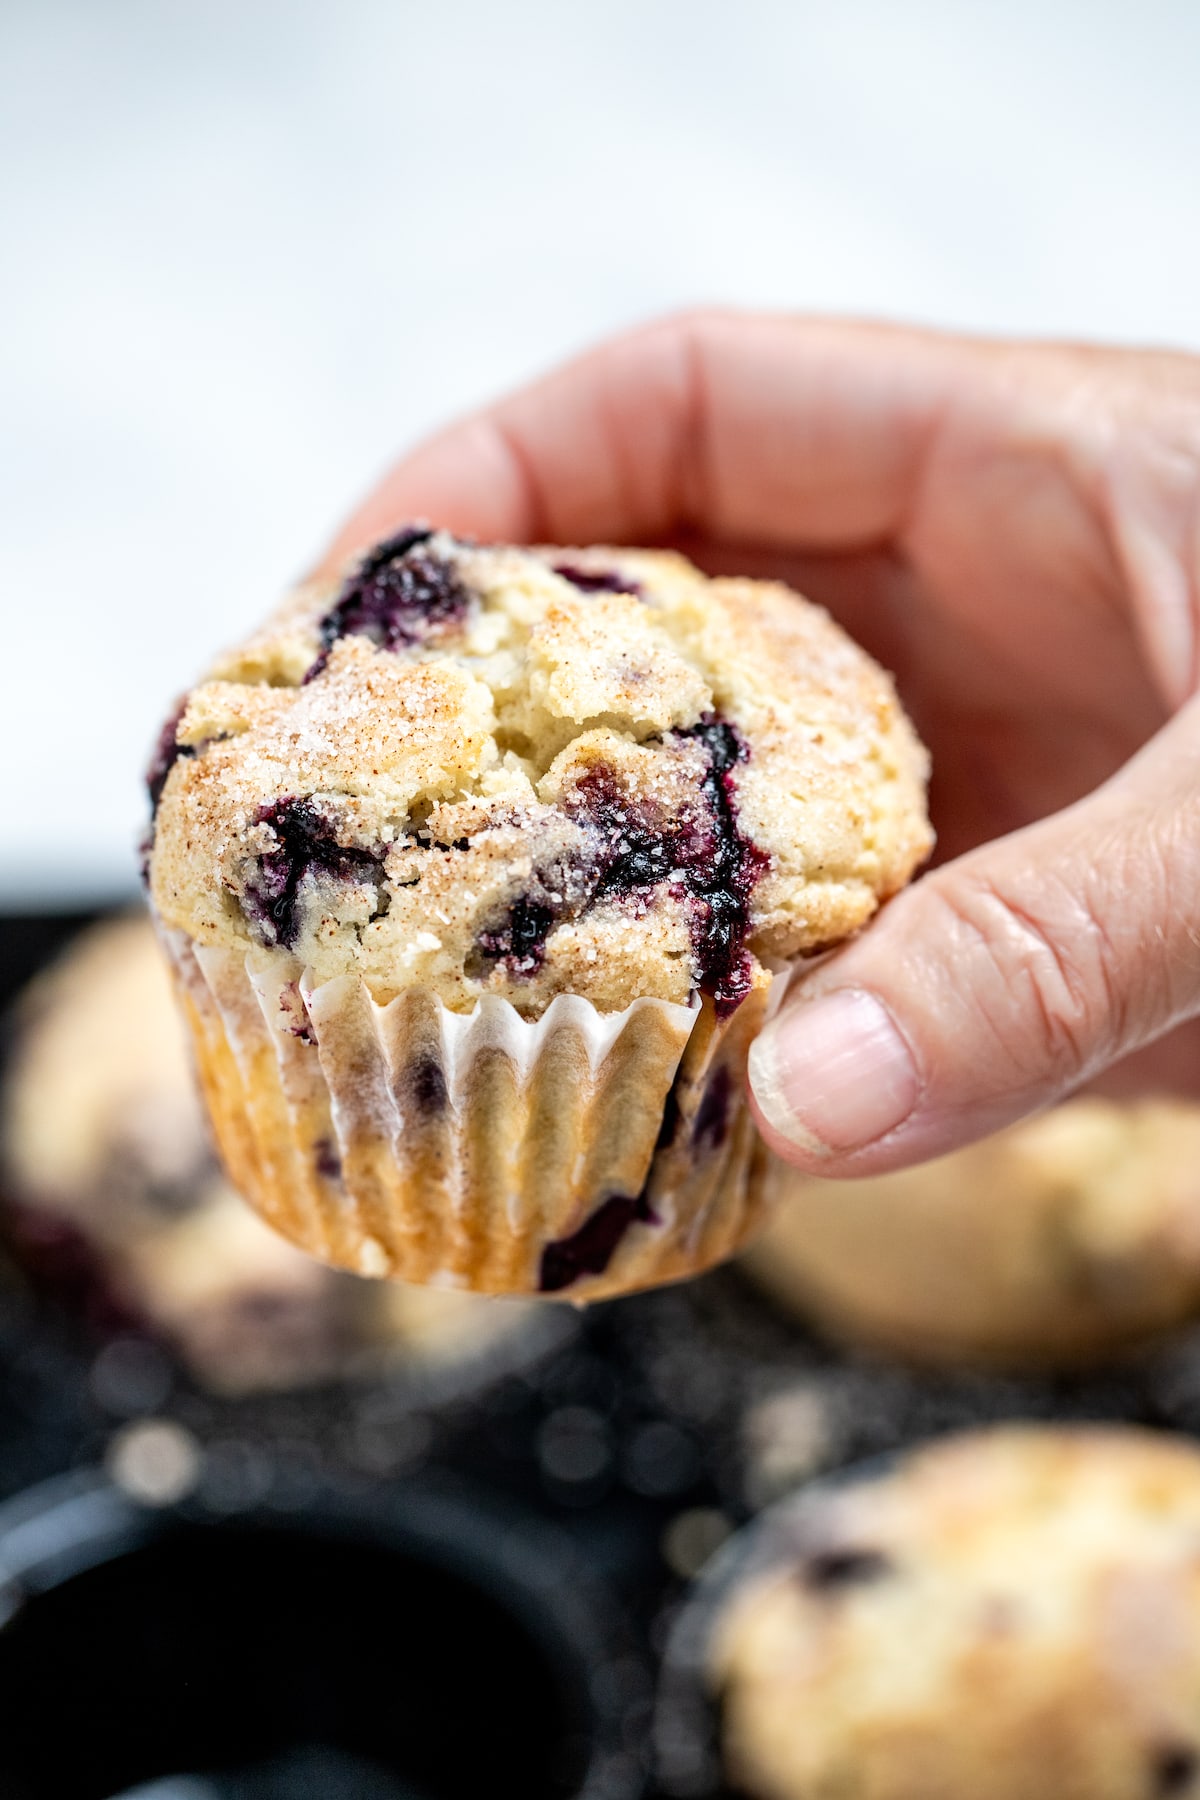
250	248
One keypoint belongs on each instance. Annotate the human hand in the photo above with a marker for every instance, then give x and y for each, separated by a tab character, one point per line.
1015	531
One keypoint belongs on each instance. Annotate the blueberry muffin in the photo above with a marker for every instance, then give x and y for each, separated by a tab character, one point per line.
1060	1241
474	866
105	1140
1005	1615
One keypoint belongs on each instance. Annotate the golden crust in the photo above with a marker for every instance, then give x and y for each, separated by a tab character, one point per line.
1024	1624
1064	1239
444	767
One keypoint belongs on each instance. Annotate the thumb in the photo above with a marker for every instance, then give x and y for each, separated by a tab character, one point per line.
997	983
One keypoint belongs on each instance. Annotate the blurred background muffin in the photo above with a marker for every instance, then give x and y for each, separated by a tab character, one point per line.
1005	1615
107	1156
1058	1242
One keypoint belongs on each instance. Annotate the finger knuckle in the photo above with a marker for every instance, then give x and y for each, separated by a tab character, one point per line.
1054	970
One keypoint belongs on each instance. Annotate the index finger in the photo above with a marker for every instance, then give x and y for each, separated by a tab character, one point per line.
801	433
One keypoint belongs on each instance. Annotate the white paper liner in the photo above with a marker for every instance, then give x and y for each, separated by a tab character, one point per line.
467	1149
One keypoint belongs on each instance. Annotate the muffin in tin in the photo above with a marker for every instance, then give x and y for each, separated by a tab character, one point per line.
1009	1614
1062	1241
105	1139
474	865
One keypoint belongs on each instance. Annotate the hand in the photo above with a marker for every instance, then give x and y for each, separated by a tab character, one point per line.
1015	531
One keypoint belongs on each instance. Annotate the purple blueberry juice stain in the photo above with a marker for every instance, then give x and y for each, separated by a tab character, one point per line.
640	853
669	1128
519	942
291	1004
827	1570
711	1124
423	1085
598	581
326	1160
399	595
167	752
701	851
705	854
589	1250
306	845
724	874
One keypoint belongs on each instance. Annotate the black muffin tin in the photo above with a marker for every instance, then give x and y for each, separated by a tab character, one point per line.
371	1588
369	1591
425	1642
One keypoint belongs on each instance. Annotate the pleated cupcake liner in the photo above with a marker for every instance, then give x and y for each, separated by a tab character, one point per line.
579	1155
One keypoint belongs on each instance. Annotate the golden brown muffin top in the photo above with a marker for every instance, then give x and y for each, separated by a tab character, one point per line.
1010	1614
527	772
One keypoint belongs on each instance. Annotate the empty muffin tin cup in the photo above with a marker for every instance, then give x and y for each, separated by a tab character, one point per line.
423	1647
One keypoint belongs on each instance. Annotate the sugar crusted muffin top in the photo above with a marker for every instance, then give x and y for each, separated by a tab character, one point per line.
1006	1614
480	769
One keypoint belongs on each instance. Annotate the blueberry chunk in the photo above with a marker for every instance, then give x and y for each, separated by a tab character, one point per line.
400	594
425	1086
305	845
698	850
167	753
589	1250
597	581
706	853
520	941
724	874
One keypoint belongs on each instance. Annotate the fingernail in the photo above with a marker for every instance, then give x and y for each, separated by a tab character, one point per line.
834	1074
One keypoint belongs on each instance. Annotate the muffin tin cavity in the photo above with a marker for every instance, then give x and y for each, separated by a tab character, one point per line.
402	1655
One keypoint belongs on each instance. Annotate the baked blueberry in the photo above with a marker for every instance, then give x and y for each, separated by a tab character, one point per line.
400	594
590	1249
303	845
598	580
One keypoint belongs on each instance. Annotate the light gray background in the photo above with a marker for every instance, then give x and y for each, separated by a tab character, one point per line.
252	247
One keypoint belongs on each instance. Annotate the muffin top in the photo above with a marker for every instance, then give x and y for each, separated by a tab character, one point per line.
1063	1239
1009	1615
480	769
